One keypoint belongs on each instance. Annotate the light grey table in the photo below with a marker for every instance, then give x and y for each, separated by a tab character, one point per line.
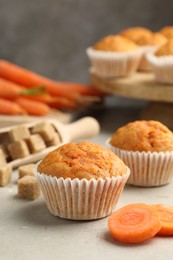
29	231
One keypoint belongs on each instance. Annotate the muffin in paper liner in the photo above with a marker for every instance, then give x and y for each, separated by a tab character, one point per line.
162	67
81	199
148	169
114	64
144	65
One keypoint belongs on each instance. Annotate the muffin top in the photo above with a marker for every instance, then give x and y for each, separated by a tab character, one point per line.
82	160
158	39
143	136
139	35
115	43
167	31
166	49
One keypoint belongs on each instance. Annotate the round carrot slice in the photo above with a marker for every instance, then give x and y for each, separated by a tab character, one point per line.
166	218
134	223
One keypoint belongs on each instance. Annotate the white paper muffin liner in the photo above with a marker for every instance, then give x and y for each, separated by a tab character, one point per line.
144	65
148	169
81	199
162	67
114	64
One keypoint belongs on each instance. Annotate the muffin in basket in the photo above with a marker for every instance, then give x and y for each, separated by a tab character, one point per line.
147	148
81	180
148	41
162	63
114	56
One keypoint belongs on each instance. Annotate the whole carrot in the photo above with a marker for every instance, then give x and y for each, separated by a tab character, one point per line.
8	89
30	79
33	107
10	108
83	89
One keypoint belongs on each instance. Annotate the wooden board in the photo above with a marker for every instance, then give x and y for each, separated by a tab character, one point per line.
139	86
11	120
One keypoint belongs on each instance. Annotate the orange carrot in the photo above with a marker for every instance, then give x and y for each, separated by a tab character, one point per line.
82	89
9	89
134	223
10	108
33	107
166	218
30	79
63	103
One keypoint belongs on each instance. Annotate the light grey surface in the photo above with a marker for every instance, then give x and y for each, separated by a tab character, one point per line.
29	231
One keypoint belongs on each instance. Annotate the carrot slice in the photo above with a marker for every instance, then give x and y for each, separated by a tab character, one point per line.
10	108
134	223
166	218
33	107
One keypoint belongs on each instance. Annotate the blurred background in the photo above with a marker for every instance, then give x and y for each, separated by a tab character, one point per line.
51	36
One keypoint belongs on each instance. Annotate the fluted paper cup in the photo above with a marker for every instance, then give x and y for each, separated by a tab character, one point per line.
81	199
114	64
162	67
148	169
144	65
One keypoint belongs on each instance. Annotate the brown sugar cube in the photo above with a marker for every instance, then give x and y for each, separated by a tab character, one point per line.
4	149
36	143
45	129
18	149
2	157
4	141
5	174
55	141
18	133
25	170
28	188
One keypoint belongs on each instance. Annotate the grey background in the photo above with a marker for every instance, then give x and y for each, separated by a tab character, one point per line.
51	36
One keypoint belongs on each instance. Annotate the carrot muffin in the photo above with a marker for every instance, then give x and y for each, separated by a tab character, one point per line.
114	56
148	42
167	31
147	148
166	49
162	62
81	180
115	43
158	40
140	35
